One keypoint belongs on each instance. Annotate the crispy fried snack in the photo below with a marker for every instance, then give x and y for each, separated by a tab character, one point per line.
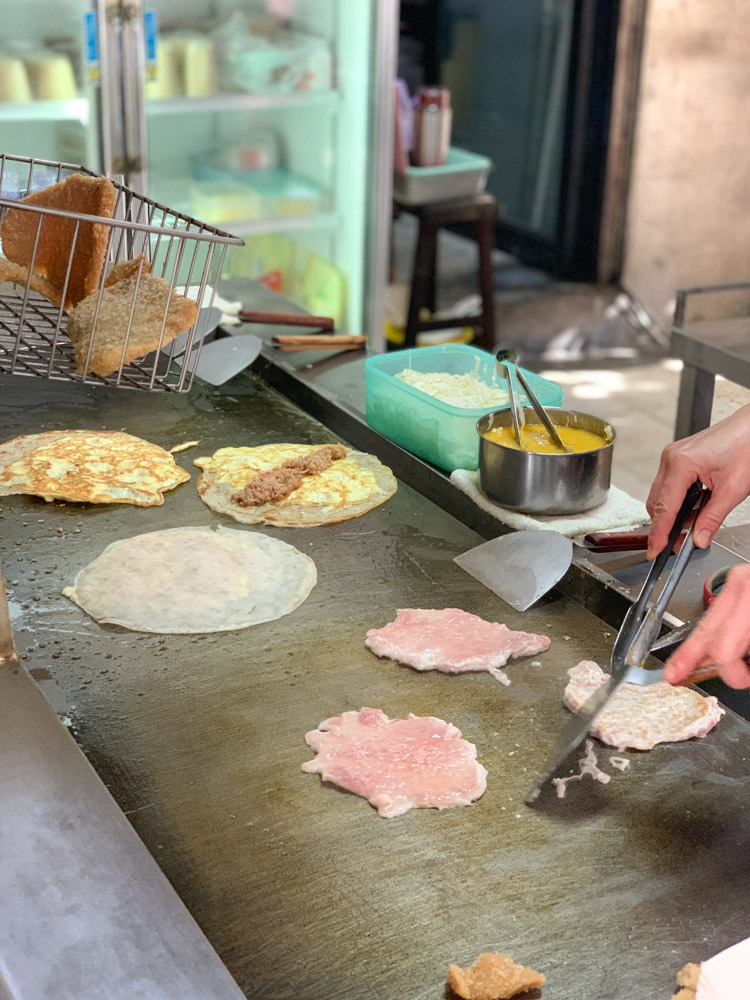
19	275
54	248
132	297
124	269
493	977
687	978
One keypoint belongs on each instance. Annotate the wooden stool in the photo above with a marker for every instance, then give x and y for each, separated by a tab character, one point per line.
482	210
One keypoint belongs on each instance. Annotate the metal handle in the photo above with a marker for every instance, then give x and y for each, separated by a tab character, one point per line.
645	620
507	354
684	554
286	319
7	648
661	560
541	412
504	372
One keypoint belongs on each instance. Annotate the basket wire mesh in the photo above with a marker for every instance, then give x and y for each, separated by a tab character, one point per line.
187	254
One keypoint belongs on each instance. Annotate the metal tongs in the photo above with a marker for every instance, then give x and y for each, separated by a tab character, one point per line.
503	371
642	623
637	634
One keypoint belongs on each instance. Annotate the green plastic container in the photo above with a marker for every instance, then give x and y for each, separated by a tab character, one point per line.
443	434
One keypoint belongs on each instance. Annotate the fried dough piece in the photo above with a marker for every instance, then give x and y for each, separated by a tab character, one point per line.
124	269
493	977
19	275
687	978
88	195
155	308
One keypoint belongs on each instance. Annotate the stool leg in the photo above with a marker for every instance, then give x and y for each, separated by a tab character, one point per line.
420	282
432	290
485	229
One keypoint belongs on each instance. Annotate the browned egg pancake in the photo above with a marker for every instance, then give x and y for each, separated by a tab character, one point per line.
347	488
88	467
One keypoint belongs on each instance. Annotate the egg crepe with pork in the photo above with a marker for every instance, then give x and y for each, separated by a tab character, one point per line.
194	580
348	487
85	466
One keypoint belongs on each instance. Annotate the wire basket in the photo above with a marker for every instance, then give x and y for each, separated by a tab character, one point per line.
185	254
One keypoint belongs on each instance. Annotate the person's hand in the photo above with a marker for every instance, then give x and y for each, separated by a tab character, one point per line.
722	638
720	457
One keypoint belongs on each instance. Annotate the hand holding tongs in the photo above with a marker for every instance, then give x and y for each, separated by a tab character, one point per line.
642	624
503	371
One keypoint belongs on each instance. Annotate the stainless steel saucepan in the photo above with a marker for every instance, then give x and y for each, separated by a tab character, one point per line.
536	483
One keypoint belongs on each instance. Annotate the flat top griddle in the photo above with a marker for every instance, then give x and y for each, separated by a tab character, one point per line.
302	889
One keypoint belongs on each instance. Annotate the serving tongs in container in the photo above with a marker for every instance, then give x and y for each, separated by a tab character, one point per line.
502	370
636	637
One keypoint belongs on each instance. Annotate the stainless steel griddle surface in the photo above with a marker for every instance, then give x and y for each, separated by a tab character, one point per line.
303	890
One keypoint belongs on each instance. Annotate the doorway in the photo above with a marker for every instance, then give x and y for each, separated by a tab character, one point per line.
531	84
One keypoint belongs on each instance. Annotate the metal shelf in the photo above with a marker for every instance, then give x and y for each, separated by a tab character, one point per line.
242	102
76	109
256	227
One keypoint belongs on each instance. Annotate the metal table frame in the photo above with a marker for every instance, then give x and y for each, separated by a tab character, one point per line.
704	359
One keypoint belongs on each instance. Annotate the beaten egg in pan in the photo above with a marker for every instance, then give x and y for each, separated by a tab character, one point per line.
535	438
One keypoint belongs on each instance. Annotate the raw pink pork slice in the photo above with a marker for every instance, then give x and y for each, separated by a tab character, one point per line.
639	717
453	641
397	764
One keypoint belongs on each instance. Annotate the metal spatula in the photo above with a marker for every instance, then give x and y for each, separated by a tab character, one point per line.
520	567
223	359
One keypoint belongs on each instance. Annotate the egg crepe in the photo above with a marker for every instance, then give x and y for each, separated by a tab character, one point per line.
347	488
189	580
88	467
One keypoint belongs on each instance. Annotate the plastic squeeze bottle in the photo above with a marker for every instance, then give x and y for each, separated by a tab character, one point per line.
432	126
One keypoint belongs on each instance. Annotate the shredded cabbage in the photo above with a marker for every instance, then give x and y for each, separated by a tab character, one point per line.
465	391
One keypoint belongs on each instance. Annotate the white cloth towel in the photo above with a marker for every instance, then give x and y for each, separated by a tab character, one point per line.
229	310
619	511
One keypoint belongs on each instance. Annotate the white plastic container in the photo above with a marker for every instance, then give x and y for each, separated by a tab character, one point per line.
463	175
